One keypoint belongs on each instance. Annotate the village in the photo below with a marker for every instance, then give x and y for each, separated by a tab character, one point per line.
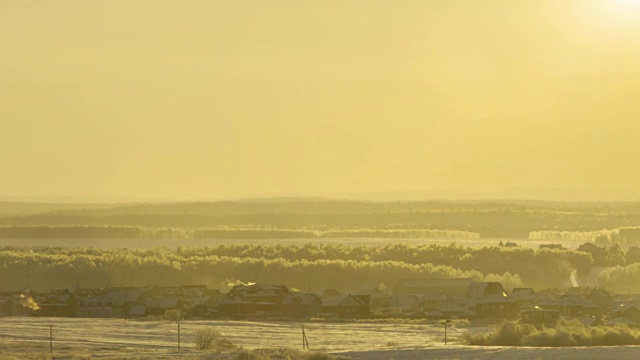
432	299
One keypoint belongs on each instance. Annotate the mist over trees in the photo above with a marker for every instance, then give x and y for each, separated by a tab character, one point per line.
625	236
329	266
342	218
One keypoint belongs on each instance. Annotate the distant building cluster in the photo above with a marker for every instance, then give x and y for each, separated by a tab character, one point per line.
412	298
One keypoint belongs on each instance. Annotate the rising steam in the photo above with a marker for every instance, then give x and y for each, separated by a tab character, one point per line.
574	278
29	303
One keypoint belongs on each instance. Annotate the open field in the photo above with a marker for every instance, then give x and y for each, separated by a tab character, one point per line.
110	338
116	336
175	243
156	335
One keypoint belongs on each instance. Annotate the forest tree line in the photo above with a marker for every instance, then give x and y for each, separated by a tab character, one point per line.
625	236
488	219
134	232
328	266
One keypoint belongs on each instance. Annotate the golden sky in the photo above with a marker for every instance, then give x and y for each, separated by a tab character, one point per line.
210	99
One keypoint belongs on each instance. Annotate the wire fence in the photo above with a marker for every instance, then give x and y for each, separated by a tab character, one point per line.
68	334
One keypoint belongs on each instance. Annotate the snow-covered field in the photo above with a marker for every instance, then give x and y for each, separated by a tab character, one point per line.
328	337
109	338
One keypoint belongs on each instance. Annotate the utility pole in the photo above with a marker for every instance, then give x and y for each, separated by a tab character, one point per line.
305	343
447	321
178	335
446	325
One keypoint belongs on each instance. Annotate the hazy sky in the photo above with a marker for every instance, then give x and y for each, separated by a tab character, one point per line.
208	99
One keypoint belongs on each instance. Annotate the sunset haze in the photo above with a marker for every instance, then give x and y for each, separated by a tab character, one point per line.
222	99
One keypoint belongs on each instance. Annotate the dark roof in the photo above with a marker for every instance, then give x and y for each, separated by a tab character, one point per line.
347	300
163	302
480	289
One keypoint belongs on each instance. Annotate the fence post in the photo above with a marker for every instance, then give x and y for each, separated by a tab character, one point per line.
446	324
178	335
51	339
305	343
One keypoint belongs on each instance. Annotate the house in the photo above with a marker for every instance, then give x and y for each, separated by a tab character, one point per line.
99	306
405	304
431	302
114	302
327	293
8	305
480	289
551	246
380	299
630	313
253	299
230	306
497	306
136	310
454	307
449	287
82	293
54	304
539	317
525	297
159	305
347	305
492	300
296	305
126	295
578	305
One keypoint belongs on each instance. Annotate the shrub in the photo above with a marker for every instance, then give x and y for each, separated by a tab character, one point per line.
210	339
249	355
283	353
565	333
172	315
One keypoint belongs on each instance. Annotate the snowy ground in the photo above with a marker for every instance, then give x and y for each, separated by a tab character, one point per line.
328	337
503	353
107	338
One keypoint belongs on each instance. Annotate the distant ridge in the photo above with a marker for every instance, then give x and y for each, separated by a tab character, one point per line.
518	194
529	195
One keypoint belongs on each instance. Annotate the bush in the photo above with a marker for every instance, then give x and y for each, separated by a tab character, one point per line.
211	339
565	333
249	355
283	353
172	315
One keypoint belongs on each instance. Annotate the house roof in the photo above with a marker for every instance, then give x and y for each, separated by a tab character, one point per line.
163	302
495	298
137	310
98	299
327	293
234	299
124	296
301	299
480	289
434	283
623	308
576	300
347	300
6	299
522	293
404	300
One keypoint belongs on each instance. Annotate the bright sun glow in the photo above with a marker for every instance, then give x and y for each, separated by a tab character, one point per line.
624	5
622	11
